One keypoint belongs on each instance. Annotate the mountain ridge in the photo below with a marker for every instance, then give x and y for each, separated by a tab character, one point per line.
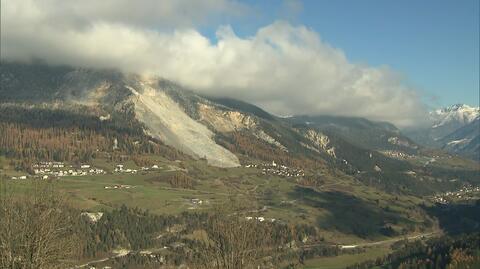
227	133
446	129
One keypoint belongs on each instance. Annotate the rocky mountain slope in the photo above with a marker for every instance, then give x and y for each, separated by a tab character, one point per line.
225	132
166	120
465	140
361	132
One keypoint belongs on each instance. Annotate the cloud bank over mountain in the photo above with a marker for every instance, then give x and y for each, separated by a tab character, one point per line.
284	68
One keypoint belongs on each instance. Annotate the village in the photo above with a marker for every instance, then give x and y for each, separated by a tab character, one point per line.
119	168
260	219
467	192
397	154
48	170
55	170
118	186
277	169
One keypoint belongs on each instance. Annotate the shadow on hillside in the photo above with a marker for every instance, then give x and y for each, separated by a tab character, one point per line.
457	218
348	214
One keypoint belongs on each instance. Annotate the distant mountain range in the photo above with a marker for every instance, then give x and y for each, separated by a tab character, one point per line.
449	119
455	129
206	127
465	140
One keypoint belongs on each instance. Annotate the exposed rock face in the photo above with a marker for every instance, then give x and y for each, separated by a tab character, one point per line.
321	141
225	121
97	93
230	121
270	140
331	151
166	120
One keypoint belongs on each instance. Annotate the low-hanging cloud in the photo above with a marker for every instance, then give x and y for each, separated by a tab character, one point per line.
285	69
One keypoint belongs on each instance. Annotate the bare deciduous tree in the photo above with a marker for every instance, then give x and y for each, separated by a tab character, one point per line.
36	228
234	241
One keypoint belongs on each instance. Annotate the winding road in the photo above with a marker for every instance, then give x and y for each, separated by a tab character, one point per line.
377	243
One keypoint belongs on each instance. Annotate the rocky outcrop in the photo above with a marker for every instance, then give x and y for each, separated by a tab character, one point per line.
320	141
225	121
260	134
167	121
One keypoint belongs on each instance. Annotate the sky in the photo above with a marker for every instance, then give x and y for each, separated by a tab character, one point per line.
383	60
433	43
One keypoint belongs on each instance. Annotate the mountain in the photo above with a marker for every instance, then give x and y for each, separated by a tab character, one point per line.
453	129
136	115
114	141
379	136
449	119
195	125
465	140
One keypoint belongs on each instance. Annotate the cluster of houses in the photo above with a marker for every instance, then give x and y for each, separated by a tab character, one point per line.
397	154
49	165
277	169
22	177
260	219
118	186
46	170
196	203
467	192
120	168
58	169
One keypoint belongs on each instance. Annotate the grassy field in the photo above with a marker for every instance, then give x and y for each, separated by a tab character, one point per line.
342	261
339	200
337	208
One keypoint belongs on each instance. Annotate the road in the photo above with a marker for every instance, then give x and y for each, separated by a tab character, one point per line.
116	255
390	241
377	243
93	262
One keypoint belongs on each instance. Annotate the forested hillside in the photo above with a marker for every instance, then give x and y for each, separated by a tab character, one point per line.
40	133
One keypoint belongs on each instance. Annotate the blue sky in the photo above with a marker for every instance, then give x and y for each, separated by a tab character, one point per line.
433	44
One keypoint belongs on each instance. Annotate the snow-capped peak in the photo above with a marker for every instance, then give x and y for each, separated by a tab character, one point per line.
457	108
459	113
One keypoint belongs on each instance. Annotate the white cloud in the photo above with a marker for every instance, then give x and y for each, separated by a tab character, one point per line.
283	68
154	14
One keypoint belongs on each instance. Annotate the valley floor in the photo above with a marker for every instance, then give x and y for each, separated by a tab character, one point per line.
345	212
